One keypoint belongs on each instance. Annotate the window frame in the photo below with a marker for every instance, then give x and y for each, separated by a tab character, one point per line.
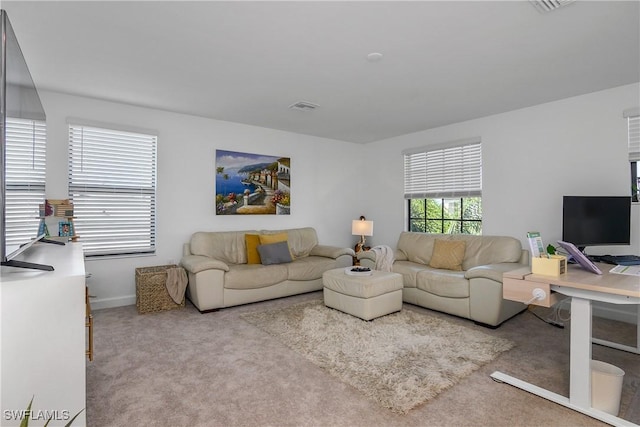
633	140
443	172
461	220
24	185
112	183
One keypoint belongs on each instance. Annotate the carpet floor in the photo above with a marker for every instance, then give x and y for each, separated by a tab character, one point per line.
400	360
183	368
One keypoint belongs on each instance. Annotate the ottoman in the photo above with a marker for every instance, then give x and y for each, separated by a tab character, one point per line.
366	297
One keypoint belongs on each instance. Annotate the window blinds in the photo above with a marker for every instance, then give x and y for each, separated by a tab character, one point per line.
112	182
24	178
452	170
634	138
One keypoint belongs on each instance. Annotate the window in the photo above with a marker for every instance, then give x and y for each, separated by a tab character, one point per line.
443	188
633	124
112	182
25	178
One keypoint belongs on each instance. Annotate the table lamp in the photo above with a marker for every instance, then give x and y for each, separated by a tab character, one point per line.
361	227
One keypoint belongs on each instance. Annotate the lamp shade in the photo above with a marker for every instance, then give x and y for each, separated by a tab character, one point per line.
361	228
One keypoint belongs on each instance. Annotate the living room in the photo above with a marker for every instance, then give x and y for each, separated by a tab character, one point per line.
572	143
576	145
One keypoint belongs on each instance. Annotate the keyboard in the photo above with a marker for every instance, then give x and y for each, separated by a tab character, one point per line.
618	259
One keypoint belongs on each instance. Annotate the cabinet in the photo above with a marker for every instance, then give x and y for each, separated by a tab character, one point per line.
89	325
42	351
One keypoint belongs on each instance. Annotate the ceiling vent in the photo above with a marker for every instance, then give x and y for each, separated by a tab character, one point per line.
303	106
544	6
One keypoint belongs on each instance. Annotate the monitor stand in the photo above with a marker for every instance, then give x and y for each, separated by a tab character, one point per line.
33	265
25	264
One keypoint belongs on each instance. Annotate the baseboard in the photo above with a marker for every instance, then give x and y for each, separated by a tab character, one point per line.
99	303
623	313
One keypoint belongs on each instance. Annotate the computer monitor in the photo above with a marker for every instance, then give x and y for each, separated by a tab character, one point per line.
596	220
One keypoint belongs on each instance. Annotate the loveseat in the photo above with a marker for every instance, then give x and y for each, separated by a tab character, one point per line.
229	268
459	274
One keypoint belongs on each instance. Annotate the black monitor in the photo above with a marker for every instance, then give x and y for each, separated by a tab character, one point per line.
596	220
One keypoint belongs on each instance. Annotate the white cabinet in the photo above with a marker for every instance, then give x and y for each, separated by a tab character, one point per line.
42	346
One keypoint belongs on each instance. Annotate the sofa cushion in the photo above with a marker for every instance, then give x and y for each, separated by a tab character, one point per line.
226	246
253	276
480	250
274	253
444	283
483	250
417	247
301	240
448	254
310	268
252	241
265	239
409	271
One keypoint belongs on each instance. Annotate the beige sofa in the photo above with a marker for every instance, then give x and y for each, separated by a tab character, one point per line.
475	291
220	276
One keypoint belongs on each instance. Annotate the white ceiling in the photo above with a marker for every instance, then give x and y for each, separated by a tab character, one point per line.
443	61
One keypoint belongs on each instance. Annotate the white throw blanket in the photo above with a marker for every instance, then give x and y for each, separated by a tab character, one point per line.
384	257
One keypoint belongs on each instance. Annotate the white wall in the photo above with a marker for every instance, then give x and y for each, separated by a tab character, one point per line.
531	158
322	171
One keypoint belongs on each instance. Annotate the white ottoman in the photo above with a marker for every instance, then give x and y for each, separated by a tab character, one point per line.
366	297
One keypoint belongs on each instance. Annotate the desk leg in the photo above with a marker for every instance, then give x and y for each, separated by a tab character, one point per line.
580	360
580	369
623	347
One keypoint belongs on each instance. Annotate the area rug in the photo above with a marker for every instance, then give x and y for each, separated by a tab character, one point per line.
401	360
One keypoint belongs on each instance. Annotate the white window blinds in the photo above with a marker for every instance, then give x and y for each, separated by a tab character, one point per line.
25	178
634	137
112	182
451	170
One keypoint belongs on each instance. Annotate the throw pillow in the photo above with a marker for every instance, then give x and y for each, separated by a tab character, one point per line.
273	238
274	253
448	254
265	239
252	241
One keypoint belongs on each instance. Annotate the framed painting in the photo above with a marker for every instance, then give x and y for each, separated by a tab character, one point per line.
252	184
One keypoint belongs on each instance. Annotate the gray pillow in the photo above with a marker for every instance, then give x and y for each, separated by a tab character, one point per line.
274	253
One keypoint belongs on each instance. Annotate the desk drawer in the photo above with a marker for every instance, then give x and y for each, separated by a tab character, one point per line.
522	291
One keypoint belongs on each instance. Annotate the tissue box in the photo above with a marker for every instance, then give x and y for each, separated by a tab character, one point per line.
555	265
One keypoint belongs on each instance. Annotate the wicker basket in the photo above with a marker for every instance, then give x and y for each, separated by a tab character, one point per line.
151	290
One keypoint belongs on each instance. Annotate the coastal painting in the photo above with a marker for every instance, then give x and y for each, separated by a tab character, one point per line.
252	184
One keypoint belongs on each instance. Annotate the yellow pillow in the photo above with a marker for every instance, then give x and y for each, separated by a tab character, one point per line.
266	239
252	241
448	254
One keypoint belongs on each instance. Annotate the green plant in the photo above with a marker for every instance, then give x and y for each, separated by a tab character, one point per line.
27	416
551	250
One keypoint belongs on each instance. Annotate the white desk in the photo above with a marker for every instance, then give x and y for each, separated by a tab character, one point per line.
583	287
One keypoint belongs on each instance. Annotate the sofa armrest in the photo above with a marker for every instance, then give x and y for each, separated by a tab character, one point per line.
367	255
331	251
197	263
371	256
492	271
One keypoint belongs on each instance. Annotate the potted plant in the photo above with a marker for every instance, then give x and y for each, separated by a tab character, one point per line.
27	417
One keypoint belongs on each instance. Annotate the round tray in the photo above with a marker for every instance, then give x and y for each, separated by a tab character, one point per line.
357	273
